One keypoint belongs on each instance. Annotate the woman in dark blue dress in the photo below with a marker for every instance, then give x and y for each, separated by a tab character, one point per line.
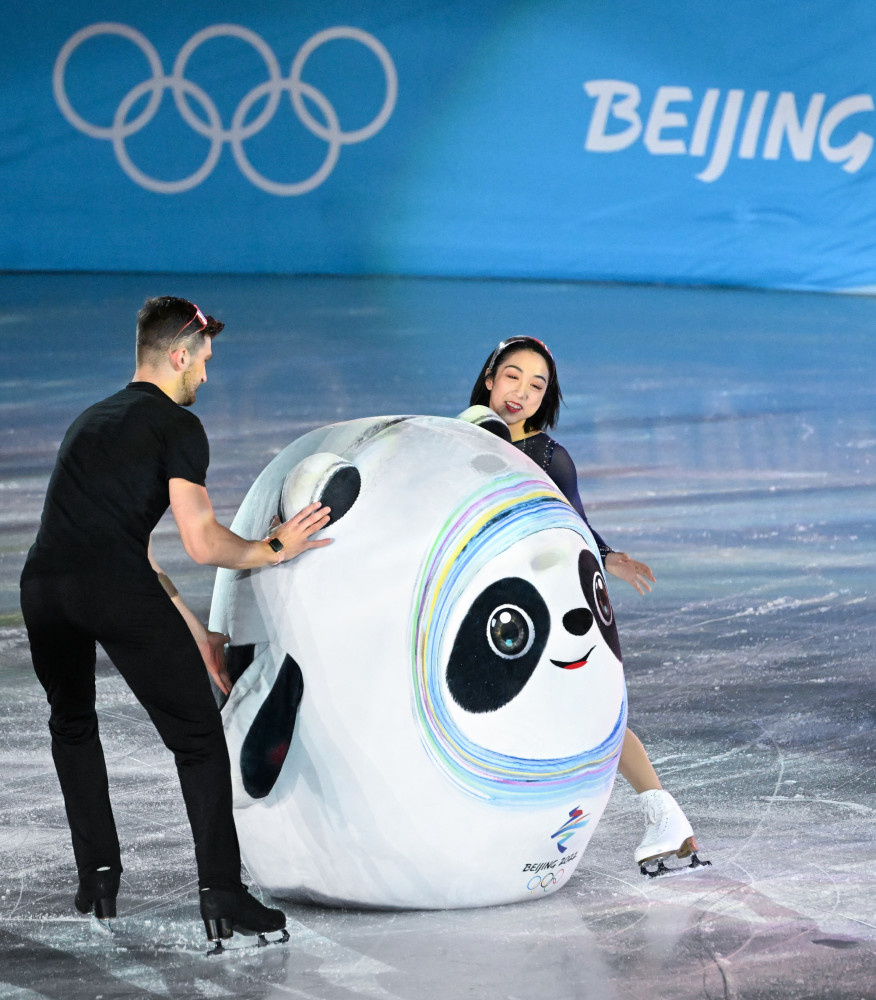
519	382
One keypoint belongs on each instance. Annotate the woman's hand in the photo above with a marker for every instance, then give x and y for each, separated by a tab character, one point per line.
637	574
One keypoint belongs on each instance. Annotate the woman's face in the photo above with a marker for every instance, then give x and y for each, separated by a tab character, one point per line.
517	388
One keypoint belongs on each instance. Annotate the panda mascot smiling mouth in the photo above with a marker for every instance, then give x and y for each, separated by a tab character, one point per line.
432	708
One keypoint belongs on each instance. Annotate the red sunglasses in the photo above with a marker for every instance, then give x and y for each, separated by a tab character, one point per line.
208	325
200	317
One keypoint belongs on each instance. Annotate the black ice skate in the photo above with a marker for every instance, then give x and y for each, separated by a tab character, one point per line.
668	834
656	866
97	893
225	911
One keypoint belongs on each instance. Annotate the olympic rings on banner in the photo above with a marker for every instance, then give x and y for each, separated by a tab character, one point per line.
185	91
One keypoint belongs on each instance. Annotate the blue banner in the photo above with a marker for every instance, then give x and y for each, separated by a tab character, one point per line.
688	142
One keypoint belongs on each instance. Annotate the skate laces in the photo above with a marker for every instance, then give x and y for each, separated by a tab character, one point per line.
657	810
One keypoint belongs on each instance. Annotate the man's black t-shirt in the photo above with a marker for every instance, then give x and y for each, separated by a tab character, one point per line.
110	484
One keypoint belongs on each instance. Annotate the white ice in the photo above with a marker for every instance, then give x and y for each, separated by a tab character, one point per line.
728	438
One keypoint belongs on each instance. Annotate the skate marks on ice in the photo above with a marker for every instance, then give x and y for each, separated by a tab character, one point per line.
761	923
736	454
606	937
757	706
165	956
725	939
156	946
785	912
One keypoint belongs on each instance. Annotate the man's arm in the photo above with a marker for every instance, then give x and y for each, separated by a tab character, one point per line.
210	644
210	543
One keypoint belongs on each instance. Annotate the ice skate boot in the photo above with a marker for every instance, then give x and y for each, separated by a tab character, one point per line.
97	893
667	833
225	911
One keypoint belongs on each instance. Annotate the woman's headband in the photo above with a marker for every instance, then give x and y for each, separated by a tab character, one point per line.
523	341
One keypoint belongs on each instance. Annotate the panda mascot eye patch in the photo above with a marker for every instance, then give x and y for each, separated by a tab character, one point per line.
596	595
498	645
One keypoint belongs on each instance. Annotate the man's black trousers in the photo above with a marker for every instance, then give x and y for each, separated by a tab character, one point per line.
150	645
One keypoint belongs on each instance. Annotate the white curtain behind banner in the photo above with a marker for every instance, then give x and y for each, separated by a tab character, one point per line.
685	142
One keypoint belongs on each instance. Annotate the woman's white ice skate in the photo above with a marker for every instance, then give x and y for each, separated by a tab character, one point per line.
667	834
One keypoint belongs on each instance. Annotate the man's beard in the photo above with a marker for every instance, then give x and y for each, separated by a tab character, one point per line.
189	389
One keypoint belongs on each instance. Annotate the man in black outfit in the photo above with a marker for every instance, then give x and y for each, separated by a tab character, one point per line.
89	578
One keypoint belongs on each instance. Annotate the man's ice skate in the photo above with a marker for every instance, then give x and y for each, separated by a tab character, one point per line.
225	911
667	834
97	893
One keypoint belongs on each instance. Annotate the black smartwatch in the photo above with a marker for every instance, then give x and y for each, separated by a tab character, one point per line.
275	544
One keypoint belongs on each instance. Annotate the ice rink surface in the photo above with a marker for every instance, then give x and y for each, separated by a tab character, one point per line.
728	438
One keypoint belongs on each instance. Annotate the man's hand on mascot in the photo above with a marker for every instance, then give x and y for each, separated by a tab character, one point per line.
212	648
295	533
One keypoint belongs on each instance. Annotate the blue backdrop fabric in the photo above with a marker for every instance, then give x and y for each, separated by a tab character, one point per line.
688	142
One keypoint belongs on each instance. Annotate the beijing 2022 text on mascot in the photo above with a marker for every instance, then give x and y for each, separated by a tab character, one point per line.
429	712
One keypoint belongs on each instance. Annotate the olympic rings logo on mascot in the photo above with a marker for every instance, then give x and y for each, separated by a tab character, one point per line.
184	91
545	882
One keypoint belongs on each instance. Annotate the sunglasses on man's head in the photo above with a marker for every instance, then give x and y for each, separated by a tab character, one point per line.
206	324
200	317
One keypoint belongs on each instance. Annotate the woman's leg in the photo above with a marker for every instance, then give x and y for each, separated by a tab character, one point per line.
667	830
636	766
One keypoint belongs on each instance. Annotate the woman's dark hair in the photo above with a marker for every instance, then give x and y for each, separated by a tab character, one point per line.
546	415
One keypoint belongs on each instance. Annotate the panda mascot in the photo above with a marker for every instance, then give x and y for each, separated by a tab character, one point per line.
429	712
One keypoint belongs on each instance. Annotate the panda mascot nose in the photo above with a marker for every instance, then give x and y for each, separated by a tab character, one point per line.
578	621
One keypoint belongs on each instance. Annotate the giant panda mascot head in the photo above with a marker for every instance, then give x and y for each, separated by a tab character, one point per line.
429	711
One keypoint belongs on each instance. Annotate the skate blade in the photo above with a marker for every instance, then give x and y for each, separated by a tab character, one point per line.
103	928
262	941
655	867
688	847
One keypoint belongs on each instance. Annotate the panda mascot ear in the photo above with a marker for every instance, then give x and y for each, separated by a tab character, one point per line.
483	416
323	477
